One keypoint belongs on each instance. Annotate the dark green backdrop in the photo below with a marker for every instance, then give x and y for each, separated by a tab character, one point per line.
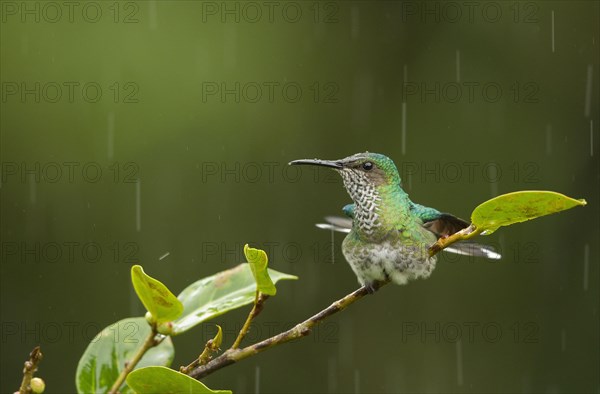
158	132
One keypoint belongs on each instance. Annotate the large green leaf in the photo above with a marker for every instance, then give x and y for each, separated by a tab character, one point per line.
218	294
508	209
517	207
155	296
152	380
107	353
258	261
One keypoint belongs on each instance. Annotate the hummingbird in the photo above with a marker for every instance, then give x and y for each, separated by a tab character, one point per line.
388	235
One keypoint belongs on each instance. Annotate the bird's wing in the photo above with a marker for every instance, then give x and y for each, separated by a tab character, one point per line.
445	224
440	223
468	248
426	214
336	223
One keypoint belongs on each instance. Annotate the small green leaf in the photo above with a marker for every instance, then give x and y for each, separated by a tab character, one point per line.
155	296
218	294
151	380
107	353
258	261
517	207
508	209
218	339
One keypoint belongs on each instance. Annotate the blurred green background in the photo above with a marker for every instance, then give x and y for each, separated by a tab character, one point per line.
158	132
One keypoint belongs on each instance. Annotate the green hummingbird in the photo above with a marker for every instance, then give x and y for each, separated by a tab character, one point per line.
388	234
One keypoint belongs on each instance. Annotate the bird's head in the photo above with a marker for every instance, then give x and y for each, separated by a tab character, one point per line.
361	172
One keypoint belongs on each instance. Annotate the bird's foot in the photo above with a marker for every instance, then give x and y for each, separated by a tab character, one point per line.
375	285
371	287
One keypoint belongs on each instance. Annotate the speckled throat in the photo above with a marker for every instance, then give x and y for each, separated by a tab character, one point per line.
379	209
367	200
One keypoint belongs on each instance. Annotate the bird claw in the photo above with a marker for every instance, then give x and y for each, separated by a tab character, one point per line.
370	287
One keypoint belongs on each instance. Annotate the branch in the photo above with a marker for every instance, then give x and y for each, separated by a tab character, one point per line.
300	330
259	300
149	343
212	345
444	242
31	366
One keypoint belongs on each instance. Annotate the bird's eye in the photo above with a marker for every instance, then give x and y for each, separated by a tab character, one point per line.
367	166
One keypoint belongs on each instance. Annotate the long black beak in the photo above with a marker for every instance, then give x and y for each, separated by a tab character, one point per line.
317	162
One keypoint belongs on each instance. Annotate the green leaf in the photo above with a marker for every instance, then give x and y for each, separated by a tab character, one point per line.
152	380
218	294
508	209
155	296
517	207
107	353
218	339
258	261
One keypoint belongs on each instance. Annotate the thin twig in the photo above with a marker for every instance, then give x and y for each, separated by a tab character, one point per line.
29	369
259	300
300	330
149	343
444	242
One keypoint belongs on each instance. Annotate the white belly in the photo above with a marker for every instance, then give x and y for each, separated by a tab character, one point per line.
377	262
